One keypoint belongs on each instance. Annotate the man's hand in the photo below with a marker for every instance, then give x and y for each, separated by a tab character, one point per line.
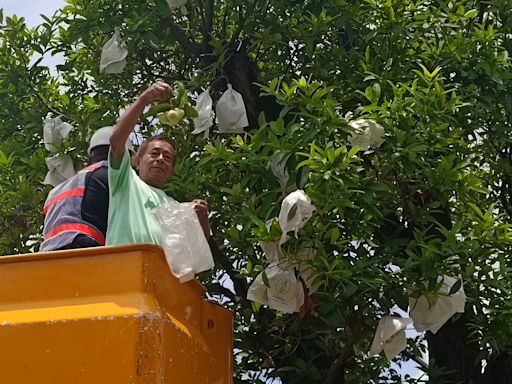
201	208
130	117
158	91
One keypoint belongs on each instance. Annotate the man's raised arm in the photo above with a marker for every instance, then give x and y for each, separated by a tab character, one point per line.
130	117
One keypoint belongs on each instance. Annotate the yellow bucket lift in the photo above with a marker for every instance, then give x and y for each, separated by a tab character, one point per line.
108	315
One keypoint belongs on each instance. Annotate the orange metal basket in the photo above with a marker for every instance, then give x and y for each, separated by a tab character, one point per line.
108	315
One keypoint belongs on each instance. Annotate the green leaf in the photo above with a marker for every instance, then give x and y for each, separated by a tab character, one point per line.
265	278
435	72
477	210
455	287
156	109
378	187
353	151
249	213
334	235
375	93
261	119
163	8
292	213
190	111
471	14
432	283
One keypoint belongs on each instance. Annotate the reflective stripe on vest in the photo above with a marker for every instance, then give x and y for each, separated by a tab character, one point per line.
93	167
82	228
77	192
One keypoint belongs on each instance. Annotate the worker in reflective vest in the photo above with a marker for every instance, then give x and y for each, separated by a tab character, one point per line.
76	210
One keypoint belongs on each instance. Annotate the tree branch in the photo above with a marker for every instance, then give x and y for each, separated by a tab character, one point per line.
189	45
336	374
418	360
216	288
239	283
208	16
505	200
224	21
242	20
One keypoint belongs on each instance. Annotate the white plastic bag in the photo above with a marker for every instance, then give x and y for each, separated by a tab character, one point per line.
258	291
174	4
296	210
186	249
367	134
113	54
283	289
284	293
431	313
230	111
277	165
390	336
271	249
54	131
204	120
60	168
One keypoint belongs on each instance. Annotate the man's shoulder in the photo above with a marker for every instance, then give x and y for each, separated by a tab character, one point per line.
96	171
100	173
124	163
95	167
66	184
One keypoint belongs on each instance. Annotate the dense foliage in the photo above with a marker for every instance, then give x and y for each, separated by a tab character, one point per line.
434	199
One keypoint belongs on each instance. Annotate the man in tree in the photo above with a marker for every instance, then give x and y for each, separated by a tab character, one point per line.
76	210
135	194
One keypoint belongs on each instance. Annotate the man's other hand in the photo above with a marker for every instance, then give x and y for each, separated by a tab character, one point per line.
201	208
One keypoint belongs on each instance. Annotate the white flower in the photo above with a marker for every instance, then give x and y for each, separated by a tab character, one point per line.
390	336
430	313
367	134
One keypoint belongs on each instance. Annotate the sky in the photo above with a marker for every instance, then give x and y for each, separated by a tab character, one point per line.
31	10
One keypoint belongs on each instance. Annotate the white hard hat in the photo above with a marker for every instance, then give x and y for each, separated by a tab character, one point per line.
102	137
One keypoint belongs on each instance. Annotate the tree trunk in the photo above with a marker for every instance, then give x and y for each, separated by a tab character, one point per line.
498	370
451	350
242	73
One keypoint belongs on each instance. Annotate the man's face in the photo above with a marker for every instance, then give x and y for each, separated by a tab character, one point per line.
156	164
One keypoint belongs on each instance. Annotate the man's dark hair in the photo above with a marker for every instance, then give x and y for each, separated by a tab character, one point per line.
144	146
99	153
